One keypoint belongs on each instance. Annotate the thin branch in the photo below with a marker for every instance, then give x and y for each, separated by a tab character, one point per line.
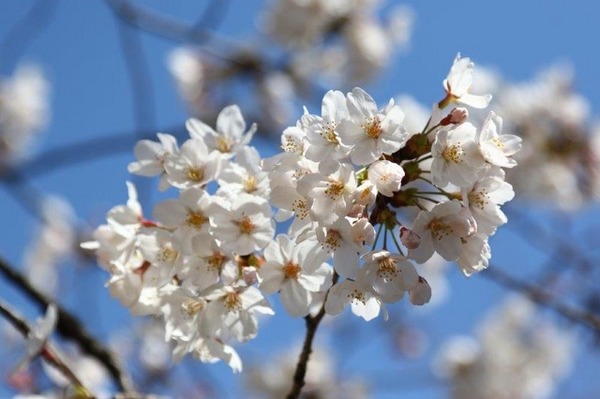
17	321
89	149
25	30
48	352
142	93
543	298
311	328
71	328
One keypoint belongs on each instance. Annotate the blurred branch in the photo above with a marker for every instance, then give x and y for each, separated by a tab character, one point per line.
46	351
142	91
25	193
167	28
213	15
89	149
71	328
25	29
542	238
139	76
543	298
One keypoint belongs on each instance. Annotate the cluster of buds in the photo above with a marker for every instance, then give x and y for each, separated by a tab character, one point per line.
367	199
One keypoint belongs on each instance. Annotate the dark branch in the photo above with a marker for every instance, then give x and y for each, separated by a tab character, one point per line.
311	328
71	328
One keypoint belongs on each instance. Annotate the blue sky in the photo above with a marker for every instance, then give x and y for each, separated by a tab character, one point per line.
91	97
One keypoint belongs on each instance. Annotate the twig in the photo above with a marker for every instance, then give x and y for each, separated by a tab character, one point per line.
311	328
542	298
46	351
71	328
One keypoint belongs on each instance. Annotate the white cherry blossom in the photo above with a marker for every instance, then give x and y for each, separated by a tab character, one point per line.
230	135
390	275
441	230
296	271
244	225
372	132
496	147
331	191
322	132
193	166
458	83
386	176
456	157
151	157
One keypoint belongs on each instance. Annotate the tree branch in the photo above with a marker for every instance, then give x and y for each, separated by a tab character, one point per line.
71	328
543	298
311	328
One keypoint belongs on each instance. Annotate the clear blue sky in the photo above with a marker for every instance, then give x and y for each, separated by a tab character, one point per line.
91	97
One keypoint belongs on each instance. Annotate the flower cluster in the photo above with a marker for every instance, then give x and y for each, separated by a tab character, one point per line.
328	34
347	181
516	354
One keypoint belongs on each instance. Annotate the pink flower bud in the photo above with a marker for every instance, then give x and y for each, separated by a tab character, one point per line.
421	294
456	116
409	238
250	275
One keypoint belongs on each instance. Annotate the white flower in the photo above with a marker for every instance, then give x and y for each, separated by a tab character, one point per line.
331	191
117	240
344	242
458	82
358	294
475	254
484	198
124	284
232	312
421	294
456	157
245	176
151	157
496	147
386	176
24	110
193	166
189	216
372	132
296	270
441	229
230	135
322	132
244	225
390	275
207	266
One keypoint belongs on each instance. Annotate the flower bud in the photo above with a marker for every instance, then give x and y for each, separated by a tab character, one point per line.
409	238
457	116
250	275
421	294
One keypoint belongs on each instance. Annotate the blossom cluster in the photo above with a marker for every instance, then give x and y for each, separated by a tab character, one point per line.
335	43
515	354
365	199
